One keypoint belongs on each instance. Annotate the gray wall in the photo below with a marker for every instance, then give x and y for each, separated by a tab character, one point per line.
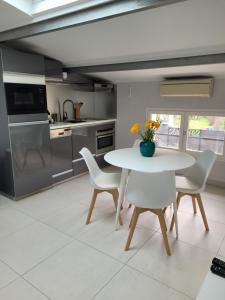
100	104
134	98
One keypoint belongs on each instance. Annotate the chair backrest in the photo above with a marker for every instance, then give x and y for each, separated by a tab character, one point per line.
93	167
136	143
199	172
151	190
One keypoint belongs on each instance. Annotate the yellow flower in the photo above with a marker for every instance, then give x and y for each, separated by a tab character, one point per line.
135	128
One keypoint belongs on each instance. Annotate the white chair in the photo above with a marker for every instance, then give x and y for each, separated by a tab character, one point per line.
150	192
101	181
193	182
136	143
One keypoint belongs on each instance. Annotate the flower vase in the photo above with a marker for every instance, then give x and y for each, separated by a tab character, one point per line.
147	148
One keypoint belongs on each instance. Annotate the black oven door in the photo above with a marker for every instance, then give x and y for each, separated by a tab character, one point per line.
105	143
25	98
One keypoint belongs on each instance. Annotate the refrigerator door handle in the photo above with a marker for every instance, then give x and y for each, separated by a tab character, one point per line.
28	123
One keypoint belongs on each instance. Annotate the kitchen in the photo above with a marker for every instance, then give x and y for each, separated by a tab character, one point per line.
86	121
112	149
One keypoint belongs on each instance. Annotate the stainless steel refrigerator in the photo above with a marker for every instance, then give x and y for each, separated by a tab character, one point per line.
30	156
25	155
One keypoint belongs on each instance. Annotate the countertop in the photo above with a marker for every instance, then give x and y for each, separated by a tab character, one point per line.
90	122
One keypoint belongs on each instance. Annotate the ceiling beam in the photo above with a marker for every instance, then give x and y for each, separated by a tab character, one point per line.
104	11
152	64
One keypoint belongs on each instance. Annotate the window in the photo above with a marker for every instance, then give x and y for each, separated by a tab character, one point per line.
205	132
168	134
188	131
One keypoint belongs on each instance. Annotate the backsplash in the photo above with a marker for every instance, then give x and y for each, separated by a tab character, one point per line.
96	104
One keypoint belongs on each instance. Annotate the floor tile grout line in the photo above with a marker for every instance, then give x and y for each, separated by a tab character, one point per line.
223	241
47	257
199	216
5	263
157	280
87	244
56	230
174	239
36	288
103	253
197	246
75	239
17	230
107	283
128	265
41	261
139	249
120	261
5	286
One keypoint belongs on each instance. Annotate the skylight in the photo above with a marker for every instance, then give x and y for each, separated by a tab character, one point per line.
44	9
44	5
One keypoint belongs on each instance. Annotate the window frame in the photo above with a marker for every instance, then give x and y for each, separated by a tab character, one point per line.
185	113
167	112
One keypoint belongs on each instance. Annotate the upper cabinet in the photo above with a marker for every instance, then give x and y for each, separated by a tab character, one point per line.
21	62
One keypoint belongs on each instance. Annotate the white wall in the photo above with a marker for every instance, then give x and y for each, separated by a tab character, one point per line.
134	98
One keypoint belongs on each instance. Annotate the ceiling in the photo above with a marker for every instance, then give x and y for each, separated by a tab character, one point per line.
11	17
193	27
179	29
212	70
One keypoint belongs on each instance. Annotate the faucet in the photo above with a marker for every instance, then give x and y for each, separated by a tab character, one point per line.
65	117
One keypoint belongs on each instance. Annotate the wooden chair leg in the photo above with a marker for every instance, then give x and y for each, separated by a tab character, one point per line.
179	195
115	195
194	204
131	220
163	229
94	196
133	225
200	204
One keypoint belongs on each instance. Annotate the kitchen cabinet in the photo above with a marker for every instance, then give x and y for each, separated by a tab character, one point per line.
86	137
82	137
61	150
66	159
31	158
21	62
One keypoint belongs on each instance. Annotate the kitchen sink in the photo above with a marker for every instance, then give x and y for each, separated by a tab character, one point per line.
75	121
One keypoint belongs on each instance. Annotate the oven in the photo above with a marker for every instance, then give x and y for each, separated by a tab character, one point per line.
105	140
25	98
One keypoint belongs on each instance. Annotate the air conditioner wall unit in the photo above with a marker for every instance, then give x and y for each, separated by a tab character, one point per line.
202	87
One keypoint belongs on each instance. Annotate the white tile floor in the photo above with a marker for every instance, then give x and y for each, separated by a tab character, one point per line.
48	253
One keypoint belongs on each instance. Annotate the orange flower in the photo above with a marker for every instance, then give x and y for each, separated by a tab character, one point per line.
156	124
135	128
148	124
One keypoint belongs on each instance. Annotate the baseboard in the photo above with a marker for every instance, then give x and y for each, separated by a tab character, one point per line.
216	183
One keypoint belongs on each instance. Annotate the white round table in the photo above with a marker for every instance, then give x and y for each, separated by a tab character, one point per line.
131	159
163	160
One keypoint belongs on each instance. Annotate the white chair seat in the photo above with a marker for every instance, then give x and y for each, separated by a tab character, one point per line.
145	192
107	181
193	182
186	185
101	181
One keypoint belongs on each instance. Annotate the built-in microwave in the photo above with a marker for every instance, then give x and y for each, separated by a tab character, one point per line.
25	98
